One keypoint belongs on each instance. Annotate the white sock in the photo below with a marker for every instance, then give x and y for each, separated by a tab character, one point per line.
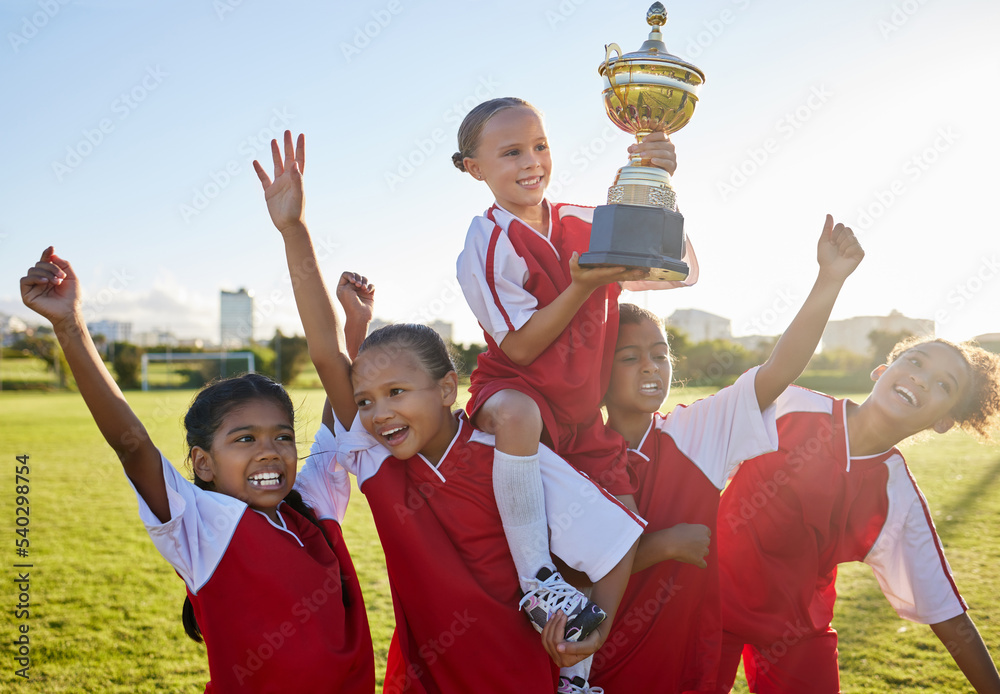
517	486
581	669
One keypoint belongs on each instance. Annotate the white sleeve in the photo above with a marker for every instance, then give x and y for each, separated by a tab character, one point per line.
322	481
689	257
717	433
590	530
908	560
357	451
492	276
200	528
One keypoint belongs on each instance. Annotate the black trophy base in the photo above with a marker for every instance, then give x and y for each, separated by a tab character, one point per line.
638	236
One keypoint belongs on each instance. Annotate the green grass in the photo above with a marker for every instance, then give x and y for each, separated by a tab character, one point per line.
105	607
25	372
31	373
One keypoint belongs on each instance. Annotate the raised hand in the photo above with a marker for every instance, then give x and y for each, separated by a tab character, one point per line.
284	195
357	295
51	288
656	150
839	252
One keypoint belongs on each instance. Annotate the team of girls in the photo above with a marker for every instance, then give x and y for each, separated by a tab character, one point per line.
464	504
426	473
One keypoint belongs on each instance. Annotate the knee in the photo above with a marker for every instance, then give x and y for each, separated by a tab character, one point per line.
517	412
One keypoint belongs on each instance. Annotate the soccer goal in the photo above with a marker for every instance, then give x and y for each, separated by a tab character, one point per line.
172	360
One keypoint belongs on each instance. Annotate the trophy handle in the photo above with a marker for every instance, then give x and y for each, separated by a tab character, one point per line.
608	47
615	88
620	92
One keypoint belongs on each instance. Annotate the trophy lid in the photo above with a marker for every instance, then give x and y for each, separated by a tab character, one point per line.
653	51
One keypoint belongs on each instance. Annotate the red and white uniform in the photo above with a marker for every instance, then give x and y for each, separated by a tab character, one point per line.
507	272
785	522
277	607
454	586
667	636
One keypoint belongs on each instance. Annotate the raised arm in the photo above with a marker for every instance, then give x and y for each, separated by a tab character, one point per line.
324	335
52	290
357	297
960	636
838	254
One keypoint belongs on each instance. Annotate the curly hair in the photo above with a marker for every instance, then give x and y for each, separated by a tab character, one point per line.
979	410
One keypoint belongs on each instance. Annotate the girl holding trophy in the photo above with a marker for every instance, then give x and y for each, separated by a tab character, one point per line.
550	326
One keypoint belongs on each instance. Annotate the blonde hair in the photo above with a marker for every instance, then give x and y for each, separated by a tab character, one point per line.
978	412
472	126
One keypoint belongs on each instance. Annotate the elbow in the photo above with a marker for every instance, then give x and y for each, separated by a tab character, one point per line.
518	356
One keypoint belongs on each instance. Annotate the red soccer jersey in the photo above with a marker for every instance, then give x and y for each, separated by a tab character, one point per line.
277	607
454	586
788	518
508	271
668	633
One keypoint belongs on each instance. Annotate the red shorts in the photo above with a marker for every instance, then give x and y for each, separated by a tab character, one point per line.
805	665
591	447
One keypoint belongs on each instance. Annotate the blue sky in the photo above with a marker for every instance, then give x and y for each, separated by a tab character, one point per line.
130	128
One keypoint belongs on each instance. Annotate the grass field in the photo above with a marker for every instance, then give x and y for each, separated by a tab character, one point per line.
104	611
31	373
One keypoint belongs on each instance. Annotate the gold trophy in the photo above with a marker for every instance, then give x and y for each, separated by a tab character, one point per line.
644	92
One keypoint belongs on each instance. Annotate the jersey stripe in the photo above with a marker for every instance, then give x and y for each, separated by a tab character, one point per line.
608	495
490	278
937	540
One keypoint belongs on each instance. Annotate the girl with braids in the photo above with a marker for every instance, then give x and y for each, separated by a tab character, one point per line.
426	473
270	586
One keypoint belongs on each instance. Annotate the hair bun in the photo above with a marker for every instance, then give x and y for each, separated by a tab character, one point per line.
457	159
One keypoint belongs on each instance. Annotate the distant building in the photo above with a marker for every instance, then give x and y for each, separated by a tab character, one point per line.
156	338
235	319
756	343
112	330
11	328
851	334
442	328
701	326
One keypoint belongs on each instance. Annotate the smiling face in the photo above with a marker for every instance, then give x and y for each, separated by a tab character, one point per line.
922	387
401	405
252	456
513	158
641	372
